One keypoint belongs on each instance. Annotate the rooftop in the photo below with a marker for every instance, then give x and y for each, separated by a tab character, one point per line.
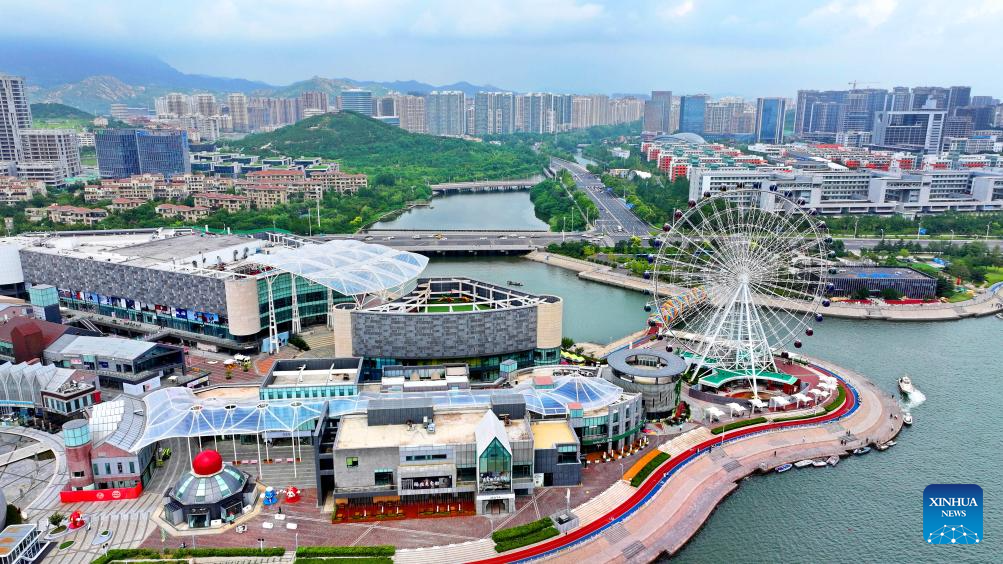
879	272
113	347
457	294
451	428
546	434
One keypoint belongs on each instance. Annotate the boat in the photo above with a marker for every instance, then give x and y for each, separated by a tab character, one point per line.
784	467
803	463
514	283
819	463
886	446
832	460
907	418
861	450
999	315
905	385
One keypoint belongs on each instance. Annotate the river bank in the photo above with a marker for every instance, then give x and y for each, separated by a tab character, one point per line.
987	303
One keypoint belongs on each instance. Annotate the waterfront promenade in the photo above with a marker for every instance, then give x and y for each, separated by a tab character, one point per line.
987	303
627	525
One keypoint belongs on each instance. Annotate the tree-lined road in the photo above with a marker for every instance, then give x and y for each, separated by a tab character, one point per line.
615	218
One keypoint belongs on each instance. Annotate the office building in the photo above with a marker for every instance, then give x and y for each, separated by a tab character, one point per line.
126	152
358	101
494	112
237	104
819	114
657	111
15	115
914	130
770	114
981	117
958	97
859	109
692	111
445	113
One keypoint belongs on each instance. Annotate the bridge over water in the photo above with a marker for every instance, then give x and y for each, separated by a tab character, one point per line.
485	186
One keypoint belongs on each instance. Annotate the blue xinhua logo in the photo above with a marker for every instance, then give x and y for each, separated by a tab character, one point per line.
952	514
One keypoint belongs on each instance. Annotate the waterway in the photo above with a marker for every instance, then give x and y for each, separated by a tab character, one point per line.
485	210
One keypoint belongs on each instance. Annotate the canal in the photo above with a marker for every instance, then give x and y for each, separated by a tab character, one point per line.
866	509
485	210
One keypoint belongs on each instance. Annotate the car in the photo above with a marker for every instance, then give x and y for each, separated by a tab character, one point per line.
502	237
416	236
522	236
483	238
390	238
368	238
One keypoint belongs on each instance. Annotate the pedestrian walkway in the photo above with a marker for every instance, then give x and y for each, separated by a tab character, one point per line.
463	552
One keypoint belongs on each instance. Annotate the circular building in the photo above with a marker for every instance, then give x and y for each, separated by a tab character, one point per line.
211	493
650	372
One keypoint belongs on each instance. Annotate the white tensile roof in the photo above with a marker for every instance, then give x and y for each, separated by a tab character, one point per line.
347	266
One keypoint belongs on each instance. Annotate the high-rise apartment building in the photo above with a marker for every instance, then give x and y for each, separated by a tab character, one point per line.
494	112
625	110
411	111
15	115
692	111
445	112
178	104
657	112
770	120
819	114
385	106
238	112
930	98
205	105
357	100
562	111
314	100
125	152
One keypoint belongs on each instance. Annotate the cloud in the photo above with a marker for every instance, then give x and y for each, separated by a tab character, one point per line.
870	13
675	10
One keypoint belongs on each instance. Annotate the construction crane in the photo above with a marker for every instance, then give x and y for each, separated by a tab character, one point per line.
853	84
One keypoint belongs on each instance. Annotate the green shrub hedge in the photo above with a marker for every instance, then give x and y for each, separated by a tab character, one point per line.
737	425
531	538
117	554
345	560
502	535
314	551
836	403
648	468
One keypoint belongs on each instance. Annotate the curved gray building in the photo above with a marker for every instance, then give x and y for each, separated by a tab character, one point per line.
650	372
448	320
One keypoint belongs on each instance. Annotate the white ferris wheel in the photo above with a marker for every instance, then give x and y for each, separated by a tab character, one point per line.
739	277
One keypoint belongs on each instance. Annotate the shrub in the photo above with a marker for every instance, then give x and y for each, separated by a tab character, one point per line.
13	515
836	403
510	533
225	552
648	468
737	425
346	560
298	342
378	550
116	554
527	540
56	518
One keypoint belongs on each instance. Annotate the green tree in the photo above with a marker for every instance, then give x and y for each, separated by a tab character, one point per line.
891	294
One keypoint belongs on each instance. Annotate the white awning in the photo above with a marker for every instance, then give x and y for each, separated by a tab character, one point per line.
714	412
756	402
817	393
735	407
779	401
799	397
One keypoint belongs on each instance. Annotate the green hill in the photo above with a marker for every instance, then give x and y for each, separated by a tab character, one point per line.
367	145
53	110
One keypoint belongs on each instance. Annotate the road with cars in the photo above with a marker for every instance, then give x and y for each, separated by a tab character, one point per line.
615	218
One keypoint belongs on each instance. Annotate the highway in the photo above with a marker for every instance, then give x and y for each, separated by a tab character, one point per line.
855	244
615	218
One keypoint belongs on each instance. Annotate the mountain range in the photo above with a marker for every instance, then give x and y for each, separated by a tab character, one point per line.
94	77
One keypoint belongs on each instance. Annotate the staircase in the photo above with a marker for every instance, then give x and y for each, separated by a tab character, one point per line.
465	552
319	338
603	503
686	441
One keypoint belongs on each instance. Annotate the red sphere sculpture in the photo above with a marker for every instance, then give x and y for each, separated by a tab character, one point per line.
207	463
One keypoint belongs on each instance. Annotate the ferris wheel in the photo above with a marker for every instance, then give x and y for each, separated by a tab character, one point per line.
739	277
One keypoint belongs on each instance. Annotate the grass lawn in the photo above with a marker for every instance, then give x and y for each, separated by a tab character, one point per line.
994	275
65	545
960	297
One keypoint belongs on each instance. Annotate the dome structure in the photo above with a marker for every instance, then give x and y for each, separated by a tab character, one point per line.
212	490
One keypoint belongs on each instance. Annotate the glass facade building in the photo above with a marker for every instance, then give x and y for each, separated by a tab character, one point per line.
125	152
691	114
770	120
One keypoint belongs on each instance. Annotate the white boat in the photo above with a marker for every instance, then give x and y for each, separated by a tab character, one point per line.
803	463
907	418
905	385
999	316
861	450
886	446
819	463
832	460
783	468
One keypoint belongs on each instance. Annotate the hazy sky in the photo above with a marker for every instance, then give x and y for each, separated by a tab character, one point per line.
743	47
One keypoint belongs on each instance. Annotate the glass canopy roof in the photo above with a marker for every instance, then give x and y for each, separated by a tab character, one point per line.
347	266
177	412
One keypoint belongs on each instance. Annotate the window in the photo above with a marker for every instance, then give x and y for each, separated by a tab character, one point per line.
384	478
132	467
78	474
95	469
352	462
107	467
121	468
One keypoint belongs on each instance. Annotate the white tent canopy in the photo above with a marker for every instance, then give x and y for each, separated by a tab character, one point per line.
801	398
827	386
779	401
736	408
714	412
817	393
757	403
